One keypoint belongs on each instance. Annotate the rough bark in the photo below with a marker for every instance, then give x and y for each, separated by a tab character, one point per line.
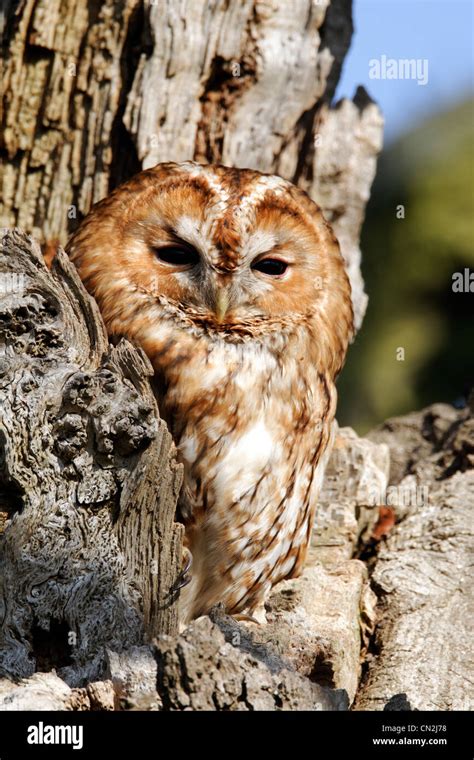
43	691
88	479
134	675
46	691
414	437
64	89
203	671
96	91
423	644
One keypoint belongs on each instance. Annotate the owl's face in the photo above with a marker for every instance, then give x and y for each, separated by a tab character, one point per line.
223	248
223	260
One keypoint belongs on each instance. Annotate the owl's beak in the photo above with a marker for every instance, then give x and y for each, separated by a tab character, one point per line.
222	303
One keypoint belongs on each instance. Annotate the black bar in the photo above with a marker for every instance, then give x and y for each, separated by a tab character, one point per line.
142	736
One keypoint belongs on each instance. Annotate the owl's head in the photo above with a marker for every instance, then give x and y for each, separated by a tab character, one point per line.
230	252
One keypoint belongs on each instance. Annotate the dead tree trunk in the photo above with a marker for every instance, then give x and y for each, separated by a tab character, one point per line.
88	479
95	91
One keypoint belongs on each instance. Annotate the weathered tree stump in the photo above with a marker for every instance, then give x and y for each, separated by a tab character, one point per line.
89	549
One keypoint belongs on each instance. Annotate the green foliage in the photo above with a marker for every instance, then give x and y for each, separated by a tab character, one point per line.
408	264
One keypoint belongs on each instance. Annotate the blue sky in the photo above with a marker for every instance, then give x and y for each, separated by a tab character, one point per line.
440	31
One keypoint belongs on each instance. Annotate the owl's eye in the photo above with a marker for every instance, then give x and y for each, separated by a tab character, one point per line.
177	255
272	267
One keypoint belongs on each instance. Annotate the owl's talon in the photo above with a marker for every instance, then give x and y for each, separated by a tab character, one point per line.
183	578
218	610
241	617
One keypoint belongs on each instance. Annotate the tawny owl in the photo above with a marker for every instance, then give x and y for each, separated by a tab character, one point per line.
233	284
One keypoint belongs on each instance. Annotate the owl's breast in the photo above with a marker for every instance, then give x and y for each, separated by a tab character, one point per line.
242	416
248	427
226	424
